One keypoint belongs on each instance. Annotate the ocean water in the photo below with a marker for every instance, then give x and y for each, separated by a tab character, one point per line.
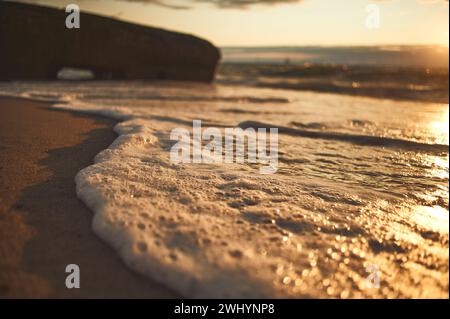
414	73
428	56
357	208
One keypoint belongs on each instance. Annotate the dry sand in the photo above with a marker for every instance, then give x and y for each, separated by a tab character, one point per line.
43	225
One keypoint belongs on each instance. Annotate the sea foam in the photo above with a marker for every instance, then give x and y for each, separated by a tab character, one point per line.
336	206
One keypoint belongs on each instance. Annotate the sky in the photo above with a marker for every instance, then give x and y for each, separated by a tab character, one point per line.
285	22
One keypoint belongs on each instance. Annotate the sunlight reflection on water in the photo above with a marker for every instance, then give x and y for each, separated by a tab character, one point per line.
440	127
432	218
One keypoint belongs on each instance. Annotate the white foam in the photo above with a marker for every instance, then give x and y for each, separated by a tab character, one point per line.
223	230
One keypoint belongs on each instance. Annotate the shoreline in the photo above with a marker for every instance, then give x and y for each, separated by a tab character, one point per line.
43	225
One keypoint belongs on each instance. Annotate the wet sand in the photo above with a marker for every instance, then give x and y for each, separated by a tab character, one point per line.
43	225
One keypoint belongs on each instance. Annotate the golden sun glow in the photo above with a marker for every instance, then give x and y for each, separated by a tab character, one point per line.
440	127
432	218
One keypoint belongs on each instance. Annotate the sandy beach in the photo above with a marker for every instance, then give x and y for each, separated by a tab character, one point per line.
43	225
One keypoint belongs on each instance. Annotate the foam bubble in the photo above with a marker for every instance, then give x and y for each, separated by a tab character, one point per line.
223	230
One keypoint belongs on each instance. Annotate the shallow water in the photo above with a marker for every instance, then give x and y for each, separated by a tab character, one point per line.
362	184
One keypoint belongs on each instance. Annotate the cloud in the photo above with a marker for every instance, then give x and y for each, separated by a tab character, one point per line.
245	3
164	3
229	4
241	4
